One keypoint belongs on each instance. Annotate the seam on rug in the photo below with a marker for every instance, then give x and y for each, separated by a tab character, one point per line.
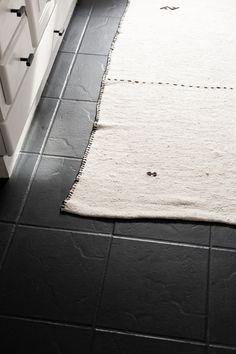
84	160
171	84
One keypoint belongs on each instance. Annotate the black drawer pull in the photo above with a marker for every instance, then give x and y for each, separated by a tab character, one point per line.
19	12
28	60
60	32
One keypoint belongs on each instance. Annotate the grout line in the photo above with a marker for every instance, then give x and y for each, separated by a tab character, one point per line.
20	211
28	188
171	243
93	54
112	331
46	228
51	156
66	51
221	248
149	336
221	346
49	127
99	297
61	229
44	141
61	157
114	227
29	153
113	236
75	54
207	321
7	222
44	321
78	100
63	99
4	255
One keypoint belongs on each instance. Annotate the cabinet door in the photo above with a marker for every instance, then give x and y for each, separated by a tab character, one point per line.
18	57
11	14
39	13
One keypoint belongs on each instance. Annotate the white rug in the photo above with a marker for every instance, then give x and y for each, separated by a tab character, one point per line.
164	145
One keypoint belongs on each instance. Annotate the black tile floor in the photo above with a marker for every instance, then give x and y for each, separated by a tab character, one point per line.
79	285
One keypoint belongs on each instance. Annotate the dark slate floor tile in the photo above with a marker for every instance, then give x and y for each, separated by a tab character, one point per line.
223	299
39	125
84	7
107	343
109	8
224	236
74	32
31	337
5	235
217	350
55	82
53	275
71	129
50	187
165	231
155	288
12	191
85	79
99	35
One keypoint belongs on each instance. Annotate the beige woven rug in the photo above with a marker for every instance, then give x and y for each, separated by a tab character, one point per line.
164	145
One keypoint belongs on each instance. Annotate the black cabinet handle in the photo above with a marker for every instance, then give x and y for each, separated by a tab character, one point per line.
19	12
28	60
60	32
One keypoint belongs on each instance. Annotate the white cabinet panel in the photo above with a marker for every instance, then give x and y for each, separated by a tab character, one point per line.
9	20
16	61
63	7
39	13
2	146
13	126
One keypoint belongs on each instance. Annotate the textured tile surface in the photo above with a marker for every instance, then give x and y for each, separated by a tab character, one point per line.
109	8
12	191
55	82
54	275
30	337
224	236
214	350
223	299
74	34
85	79
85	6
99	35
107	343
5	235
39	125
71	129
162	289
150	288
50	187
165	230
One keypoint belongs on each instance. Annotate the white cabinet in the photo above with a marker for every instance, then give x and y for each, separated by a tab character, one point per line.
39	13
62	7
17	59
33	31
11	13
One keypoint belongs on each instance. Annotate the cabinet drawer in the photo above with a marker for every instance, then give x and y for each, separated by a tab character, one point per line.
39	13
17	119
63	8
9	21
12	66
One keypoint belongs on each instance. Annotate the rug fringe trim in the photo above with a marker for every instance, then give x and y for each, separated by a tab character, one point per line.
169	83
95	125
